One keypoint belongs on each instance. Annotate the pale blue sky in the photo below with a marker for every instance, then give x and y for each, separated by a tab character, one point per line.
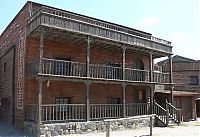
173	20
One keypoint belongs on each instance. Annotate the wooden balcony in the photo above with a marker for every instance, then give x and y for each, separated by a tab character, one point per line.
77	112
68	69
86	26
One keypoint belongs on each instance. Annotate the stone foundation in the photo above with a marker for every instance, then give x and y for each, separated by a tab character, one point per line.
49	130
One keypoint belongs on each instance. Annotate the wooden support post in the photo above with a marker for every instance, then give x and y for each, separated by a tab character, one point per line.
87	83
167	116
39	100
151	80
171	80
124	99
41	49
108	129
88	57
151	125
150	67
123	62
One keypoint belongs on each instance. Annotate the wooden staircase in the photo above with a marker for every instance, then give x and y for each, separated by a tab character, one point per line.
166	116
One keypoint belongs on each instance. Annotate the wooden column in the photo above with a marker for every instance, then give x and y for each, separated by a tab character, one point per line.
124	78
88	82
124	98
123	62
88	57
39	100
151	80
41	48
171	80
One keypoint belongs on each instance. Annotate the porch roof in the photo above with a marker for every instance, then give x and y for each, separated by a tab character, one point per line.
180	93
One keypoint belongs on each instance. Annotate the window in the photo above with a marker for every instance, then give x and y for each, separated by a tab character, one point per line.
113	71
62	100
138	75
62	66
5	67
194	80
114	101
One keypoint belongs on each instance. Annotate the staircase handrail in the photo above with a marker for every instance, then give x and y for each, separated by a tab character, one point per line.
162	113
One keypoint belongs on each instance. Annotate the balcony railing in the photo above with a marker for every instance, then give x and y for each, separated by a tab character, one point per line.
52	67
84	25
77	112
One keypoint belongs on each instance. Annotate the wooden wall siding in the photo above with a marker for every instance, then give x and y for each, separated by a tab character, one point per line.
49	20
182	72
184	66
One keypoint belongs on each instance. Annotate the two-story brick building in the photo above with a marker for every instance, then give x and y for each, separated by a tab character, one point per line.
60	66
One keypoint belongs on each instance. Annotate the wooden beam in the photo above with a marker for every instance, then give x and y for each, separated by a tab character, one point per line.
171	80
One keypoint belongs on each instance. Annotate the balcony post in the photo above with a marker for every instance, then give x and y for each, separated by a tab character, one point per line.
123	62
39	100
150	67
151	80
41	48
171	79
88	57
88	83
124	98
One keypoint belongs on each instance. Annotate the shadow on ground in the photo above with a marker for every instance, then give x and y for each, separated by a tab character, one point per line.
7	130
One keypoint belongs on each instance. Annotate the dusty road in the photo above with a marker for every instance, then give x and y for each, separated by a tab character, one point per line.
187	129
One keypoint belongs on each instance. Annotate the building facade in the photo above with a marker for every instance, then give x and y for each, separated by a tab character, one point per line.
64	66
186	76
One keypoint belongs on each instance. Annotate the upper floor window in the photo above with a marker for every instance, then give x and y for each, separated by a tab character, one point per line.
113	71
62	66
138	64
138	74
194	80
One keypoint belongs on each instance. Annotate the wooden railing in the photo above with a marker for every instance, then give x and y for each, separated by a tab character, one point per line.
105	72
77	112
63	112
161	113
134	109
84	25
174	113
160	77
136	75
52	67
100	111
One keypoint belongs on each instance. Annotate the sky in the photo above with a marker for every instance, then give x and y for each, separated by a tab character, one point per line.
173	20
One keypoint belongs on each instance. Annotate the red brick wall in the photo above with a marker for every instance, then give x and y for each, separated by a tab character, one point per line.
15	34
99	93
78	53
6	88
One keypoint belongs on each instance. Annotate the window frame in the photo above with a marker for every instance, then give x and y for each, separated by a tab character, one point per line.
194	80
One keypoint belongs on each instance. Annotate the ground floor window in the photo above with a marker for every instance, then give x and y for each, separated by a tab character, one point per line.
62	100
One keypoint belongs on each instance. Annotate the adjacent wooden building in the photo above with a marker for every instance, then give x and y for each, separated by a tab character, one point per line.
186	75
60	66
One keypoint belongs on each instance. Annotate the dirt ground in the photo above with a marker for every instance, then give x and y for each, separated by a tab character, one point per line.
189	129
